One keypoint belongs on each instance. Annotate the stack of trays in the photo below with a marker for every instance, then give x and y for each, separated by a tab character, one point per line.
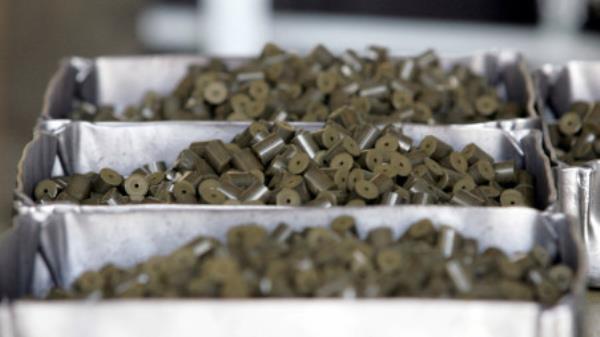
52	244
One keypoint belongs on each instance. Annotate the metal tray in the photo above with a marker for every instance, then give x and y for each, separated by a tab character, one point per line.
75	242
121	81
81	147
578	186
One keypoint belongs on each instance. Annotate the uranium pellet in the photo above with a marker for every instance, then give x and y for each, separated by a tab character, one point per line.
136	186
366	135
79	187
217	155
435	148
269	147
505	172
47	188
106	180
474	153
318	181
256	192
511	197
288	197
305	141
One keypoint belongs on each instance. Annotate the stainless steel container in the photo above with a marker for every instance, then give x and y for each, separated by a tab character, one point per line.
82	147
76	241
578	187
121	81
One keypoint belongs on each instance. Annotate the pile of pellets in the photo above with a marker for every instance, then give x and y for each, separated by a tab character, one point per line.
576	135
279	85
333	262
348	164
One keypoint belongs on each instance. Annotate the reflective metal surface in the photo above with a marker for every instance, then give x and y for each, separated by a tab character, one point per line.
578	187
74	242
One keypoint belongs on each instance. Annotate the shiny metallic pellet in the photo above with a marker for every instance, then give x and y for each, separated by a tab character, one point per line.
256	192
393	198
317	180
268	148
466	198
448	241
305	141
366	135
459	277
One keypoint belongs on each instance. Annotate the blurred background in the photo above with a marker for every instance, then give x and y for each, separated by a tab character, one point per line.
35	35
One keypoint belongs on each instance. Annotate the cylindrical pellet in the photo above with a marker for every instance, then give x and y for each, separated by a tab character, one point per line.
47	188
217	155
455	161
184	192
370	158
298	163
366	135
136	187
435	148
402	164
288	197
106	180
366	190
474	153
256	192
570	123
268	148
317	180
466	198
246	161
79	187
305	141
208	191
482	171
512	197
506	172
